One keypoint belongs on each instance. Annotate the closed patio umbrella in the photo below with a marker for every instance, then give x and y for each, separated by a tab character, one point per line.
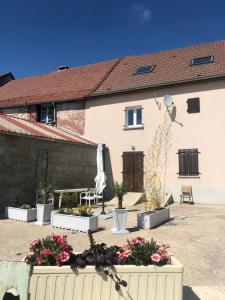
100	179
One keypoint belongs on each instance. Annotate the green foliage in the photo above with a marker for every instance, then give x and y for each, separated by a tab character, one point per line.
69	200
25	206
84	211
45	190
119	191
61	211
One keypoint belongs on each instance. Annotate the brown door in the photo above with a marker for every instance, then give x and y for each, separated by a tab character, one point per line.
133	170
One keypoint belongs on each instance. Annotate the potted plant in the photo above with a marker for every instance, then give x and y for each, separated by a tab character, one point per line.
44	203
21	211
154	216
78	219
139	270
119	213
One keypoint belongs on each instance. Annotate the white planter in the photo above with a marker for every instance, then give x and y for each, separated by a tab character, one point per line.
144	282
21	214
148	221
44	214
120	221
73	222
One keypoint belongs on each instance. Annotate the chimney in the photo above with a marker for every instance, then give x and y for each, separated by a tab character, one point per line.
61	68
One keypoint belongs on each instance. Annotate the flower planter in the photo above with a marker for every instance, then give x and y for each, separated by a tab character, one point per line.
77	223
150	282
120	221
44	214
151	220
21	214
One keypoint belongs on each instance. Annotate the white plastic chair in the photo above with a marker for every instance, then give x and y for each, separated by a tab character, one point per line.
88	197
97	196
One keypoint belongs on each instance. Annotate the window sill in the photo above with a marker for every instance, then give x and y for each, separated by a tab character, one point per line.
133	128
183	176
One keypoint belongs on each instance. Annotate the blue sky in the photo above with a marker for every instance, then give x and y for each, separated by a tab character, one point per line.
37	36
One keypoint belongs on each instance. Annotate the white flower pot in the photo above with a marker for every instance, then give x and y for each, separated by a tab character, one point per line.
44	213
120	221
144	282
77	223
21	214
151	220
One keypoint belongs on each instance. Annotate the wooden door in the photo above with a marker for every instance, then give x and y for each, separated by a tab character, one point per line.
133	170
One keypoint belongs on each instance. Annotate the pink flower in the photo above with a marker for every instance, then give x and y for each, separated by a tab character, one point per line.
46	252
138	240
39	260
165	256
124	254
155	257
126	246
64	256
33	244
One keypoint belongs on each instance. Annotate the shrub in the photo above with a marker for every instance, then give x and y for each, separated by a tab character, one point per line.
84	211
138	251
50	251
69	200
119	191
25	206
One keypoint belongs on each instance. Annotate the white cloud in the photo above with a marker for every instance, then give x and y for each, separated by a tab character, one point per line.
142	12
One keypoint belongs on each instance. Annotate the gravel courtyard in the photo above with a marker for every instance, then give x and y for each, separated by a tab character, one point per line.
196	235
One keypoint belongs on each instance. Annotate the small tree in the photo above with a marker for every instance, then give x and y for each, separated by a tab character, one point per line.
157	164
119	191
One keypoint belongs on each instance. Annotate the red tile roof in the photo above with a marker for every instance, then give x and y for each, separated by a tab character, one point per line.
59	85
172	66
32	128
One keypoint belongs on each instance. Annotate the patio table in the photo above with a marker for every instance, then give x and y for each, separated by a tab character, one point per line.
61	192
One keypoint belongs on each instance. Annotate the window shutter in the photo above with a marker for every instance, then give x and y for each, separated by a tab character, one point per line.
183	162
193	162
38	113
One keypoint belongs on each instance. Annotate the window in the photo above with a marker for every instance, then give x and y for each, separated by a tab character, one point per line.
188	162
47	113
202	60
134	117
193	105
144	69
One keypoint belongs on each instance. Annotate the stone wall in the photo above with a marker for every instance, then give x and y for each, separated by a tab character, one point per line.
71	115
26	161
21	112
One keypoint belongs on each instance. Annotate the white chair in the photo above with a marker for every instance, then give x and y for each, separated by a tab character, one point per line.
88	197
97	195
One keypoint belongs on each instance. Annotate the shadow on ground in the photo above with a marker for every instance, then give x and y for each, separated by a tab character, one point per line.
189	294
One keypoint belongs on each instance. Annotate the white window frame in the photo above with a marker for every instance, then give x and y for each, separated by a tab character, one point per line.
47	106
134	109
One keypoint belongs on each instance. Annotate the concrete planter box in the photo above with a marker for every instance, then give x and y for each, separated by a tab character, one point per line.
150	282
120	221
77	223
44	214
21	214
148	221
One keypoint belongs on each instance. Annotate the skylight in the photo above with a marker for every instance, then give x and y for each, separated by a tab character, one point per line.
144	69
202	60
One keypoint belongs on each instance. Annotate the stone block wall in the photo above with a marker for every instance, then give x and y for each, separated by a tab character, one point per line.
71	115
27	161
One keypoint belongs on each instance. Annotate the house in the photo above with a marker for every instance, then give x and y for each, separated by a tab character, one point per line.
31	153
121	103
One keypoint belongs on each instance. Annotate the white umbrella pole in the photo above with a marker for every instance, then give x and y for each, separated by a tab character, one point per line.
103	201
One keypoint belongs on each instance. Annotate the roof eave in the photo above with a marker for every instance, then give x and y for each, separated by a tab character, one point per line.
156	86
